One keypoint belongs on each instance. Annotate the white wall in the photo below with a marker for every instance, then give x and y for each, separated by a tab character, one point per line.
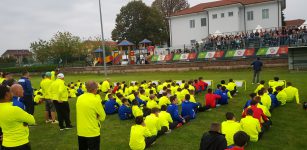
226	24
272	21
182	34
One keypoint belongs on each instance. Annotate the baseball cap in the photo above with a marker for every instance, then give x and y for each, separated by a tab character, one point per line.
60	75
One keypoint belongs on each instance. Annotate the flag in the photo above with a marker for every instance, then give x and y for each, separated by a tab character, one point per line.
202	55
210	54
272	51
155	58
230	53
168	57
262	51
283	50
184	56
239	53
161	57
249	52
219	54
177	57
192	56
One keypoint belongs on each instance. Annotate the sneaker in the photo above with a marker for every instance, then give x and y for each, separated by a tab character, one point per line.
61	129
179	125
68	127
218	105
55	122
168	132
209	109
48	121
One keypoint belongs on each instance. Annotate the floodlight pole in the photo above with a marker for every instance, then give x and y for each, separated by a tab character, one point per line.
102	41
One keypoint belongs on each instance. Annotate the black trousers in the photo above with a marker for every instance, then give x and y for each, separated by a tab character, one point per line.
173	125
29	104
256	76
63	112
150	140
21	147
89	143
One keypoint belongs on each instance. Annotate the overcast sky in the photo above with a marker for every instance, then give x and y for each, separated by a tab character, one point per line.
25	21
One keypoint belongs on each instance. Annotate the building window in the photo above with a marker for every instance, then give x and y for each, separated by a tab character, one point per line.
222	15
230	14
250	15
265	13
192	23
203	22
214	16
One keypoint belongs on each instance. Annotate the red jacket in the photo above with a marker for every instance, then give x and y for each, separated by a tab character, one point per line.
210	99
258	113
196	86
115	89
203	85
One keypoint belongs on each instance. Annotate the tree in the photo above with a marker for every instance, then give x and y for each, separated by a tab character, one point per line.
137	21
41	50
169	7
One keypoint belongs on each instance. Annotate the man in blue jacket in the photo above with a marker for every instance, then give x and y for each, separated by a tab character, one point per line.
257	65
188	108
28	92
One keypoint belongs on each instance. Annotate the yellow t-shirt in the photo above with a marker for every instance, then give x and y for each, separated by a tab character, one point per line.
165	119
137	137
153	124
136	111
12	120
229	128
251	126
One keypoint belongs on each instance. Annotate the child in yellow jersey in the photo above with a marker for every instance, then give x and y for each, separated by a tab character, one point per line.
72	92
38	99
143	95
281	95
164	100
107	95
185	91
154	124
136	110
119	98
192	98
131	97
166	119
260	86
232	87
230	127
180	97
151	102
140	136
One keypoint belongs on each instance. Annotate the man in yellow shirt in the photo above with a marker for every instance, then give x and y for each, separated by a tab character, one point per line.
90	114
14	122
292	93
140	136
251	126
230	127
59	95
49	106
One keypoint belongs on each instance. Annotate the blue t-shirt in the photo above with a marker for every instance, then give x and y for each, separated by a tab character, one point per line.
111	106
124	112
17	101
188	109
173	110
257	65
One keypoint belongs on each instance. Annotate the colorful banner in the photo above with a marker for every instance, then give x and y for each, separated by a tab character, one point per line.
155	58
283	50
262	51
177	57
161	57
210	55
192	56
239	53
201	55
168	57
184	56
272	51
249	52
219	54
230	53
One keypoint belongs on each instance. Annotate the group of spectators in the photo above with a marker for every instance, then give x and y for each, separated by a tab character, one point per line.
292	36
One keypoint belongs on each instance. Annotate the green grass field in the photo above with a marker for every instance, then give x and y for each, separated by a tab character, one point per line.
289	130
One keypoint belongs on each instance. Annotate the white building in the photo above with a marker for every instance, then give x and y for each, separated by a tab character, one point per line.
196	23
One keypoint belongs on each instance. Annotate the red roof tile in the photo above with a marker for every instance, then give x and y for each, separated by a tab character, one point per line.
296	22
201	7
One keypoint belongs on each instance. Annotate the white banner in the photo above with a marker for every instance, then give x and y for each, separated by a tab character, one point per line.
161	57
239	53
184	56
272	51
210	54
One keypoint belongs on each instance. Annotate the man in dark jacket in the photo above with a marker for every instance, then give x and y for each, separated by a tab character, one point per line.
28	92
257	65
213	140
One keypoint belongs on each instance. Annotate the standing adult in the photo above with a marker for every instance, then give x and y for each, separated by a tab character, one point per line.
59	95
28	100
14	123
49	106
90	114
257	65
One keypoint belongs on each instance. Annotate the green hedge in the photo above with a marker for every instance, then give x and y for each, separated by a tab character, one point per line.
43	68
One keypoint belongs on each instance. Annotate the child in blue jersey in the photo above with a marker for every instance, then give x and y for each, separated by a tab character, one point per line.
124	111
173	110
224	96
275	102
248	103
188	108
80	91
111	107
